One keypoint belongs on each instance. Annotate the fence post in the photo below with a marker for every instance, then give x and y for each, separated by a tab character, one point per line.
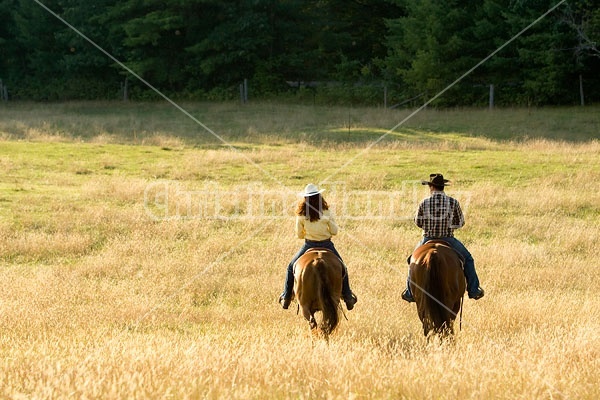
244	91
126	89
581	90
3	91
491	96
385	97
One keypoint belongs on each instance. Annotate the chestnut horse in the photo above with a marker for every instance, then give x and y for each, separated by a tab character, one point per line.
437	282
318	287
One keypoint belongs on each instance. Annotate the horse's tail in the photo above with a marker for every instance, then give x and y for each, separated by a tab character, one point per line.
328	305
438	313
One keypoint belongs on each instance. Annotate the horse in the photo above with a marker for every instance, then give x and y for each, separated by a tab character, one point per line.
437	282
318	287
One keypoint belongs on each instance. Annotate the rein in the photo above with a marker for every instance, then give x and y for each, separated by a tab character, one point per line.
342	308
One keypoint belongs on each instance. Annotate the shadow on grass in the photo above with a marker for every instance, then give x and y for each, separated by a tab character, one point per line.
217	124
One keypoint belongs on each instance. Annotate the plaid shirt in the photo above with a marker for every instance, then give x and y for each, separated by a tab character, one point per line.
439	215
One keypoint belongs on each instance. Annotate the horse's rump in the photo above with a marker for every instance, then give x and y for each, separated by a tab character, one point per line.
437	283
318	287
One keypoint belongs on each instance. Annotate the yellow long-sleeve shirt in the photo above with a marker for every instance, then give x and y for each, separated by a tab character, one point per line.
319	230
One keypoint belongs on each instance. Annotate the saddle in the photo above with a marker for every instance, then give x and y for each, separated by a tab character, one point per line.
440	241
316	249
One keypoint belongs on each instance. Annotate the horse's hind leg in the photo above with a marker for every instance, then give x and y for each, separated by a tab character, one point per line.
309	317
312	322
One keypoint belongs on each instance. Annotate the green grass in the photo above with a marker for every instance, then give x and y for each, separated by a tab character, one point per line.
156	123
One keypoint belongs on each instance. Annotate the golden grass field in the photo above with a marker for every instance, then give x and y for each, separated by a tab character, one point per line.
149	266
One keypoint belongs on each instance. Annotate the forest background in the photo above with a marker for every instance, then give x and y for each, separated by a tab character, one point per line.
368	52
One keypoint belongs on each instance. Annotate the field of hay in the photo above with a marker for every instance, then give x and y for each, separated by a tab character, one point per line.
142	256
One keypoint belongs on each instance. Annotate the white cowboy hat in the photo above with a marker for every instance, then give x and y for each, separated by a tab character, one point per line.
311	190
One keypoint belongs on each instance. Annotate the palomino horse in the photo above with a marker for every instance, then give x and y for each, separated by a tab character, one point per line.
437	283
318	287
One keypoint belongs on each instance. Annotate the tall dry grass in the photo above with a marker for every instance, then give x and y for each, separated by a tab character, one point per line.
105	298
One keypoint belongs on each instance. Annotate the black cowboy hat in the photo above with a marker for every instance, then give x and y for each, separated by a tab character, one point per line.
436	180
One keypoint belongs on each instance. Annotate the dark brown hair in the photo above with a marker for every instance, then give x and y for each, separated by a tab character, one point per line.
316	205
437	187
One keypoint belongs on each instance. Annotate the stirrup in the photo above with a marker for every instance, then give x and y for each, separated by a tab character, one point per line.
407	296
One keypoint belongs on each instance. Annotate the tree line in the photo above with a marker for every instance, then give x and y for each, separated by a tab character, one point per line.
333	51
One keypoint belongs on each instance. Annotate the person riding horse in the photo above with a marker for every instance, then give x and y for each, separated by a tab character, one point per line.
439	215
314	224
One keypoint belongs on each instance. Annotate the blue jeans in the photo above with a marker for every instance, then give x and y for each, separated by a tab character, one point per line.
309	244
470	273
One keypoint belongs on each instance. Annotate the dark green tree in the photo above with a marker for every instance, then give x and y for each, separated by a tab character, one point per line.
48	60
149	37
205	48
434	44
9	60
86	71
353	35
36	50
438	41
239	36
583	19
541	57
